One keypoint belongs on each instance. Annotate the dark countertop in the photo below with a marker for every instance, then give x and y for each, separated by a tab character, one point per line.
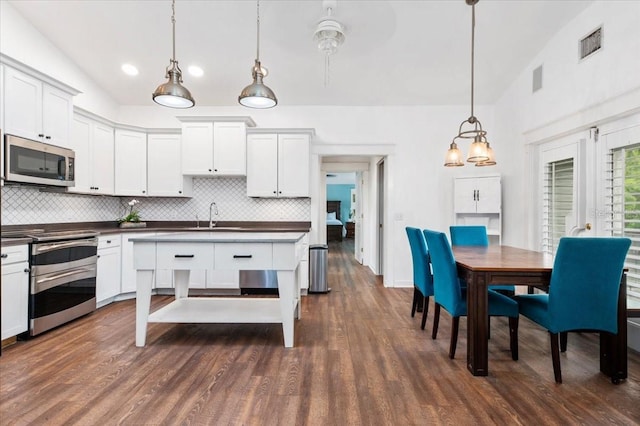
109	228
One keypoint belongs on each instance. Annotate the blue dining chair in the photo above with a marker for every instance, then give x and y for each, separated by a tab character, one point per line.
583	291
452	297
476	235
422	279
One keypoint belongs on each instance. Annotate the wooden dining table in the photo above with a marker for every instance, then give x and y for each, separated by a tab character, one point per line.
481	267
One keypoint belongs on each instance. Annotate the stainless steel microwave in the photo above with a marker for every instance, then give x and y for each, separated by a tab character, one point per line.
29	161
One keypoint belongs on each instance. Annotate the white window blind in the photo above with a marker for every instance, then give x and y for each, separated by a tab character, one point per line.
622	202
557	202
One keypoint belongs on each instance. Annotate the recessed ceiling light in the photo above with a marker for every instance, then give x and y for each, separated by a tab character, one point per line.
196	71
129	69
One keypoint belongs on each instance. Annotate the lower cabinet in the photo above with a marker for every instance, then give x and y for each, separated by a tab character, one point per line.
15	291
108	273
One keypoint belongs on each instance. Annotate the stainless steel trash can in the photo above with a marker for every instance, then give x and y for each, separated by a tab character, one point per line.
318	268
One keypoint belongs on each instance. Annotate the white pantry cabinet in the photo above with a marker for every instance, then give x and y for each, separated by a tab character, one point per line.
15	290
108	272
478	201
278	164
214	146
130	163
36	110
164	174
93	143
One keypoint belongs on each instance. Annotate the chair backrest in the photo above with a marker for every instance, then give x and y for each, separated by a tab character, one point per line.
585	281
420	257
446	284
471	235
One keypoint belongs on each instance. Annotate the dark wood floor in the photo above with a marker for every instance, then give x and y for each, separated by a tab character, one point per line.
359	359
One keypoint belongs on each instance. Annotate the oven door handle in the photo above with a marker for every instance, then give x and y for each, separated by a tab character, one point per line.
43	248
49	281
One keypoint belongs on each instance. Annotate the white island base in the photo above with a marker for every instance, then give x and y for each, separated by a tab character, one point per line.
284	309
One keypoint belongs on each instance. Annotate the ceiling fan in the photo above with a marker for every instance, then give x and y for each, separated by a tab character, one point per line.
329	35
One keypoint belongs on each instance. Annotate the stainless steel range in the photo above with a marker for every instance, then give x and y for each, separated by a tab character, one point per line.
62	278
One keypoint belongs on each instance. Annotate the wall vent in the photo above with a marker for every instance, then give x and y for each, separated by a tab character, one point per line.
591	43
537	79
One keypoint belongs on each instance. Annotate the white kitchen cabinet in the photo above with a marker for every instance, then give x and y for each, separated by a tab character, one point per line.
214	147
278	164
478	201
15	290
36	110
93	143
130	163
108	272
164	174
128	273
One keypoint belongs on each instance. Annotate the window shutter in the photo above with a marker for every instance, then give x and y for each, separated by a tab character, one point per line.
557	202
622	203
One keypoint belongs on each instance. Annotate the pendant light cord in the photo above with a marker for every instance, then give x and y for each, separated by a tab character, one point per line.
258	31
173	23
473	27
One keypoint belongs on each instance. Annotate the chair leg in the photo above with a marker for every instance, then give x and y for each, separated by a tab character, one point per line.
436	321
414	304
555	357
455	324
513	337
563	341
425	311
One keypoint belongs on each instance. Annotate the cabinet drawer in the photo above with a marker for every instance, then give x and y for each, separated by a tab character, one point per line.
108	241
13	254
184	256
244	256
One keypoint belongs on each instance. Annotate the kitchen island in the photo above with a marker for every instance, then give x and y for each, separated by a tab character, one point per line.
186	251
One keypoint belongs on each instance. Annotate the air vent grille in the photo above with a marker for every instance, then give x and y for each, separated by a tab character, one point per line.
591	43
537	79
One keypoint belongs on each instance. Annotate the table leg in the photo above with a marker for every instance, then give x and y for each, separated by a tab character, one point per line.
287	284
144	281
181	283
613	347
477	324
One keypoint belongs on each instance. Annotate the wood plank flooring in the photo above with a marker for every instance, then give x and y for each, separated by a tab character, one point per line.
359	359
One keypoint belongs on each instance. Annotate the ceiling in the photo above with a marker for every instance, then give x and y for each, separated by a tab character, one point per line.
395	52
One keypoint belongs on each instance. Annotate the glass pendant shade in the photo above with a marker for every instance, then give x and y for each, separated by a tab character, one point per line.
492	158
173	94
453	157
478	151
257	94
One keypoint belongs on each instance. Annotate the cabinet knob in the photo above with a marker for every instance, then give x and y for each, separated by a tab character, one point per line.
40	135
209	169
4	255
144	192
274	192
108	241
47	137
179	192
27	270
215	170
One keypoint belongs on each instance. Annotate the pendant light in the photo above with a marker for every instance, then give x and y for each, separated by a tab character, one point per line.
172	93
257	95
480	152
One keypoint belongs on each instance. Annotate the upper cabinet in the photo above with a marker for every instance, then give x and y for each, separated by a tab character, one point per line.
164	176
478	201
130	163
278	163
35	109
214	146
93	143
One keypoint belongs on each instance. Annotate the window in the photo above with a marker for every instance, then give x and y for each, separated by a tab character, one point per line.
557	202
622	204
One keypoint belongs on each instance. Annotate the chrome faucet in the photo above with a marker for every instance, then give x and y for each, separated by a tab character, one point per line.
212	206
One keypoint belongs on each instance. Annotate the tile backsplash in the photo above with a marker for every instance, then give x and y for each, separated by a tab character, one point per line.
26	205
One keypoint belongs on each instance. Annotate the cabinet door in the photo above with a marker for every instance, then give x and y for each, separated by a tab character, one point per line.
22	105
229	149
57	113
130	163
488	195
164	176
197	148
102	159
293	165
80	143
262	165
15	299
108	274
465	195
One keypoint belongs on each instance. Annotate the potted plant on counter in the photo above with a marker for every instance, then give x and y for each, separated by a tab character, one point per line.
132	219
